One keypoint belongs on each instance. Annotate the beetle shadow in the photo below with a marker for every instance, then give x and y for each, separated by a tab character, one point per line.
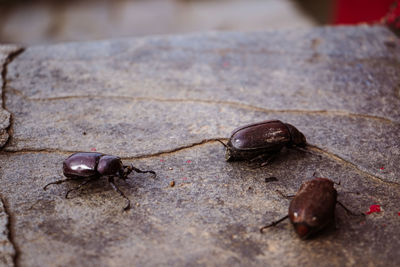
95	186
271	172
284	155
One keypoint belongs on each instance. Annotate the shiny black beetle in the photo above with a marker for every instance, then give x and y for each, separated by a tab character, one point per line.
262	139
90	166
312	208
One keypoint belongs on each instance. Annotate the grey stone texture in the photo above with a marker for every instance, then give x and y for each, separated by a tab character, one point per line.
7	251
6	51
160	103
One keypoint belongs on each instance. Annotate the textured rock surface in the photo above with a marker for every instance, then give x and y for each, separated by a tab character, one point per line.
6	52
7	251
159	102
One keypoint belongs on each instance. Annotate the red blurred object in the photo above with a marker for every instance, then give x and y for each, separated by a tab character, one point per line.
393	18
358	11
374	208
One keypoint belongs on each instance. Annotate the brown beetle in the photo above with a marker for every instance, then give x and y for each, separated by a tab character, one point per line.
312	208
90	166
263	138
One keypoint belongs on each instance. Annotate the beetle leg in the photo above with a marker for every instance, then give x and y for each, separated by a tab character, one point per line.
256	158
58	182
116	189
260	161
124	172
273	223
268	160
263	159
305	150
79	186
283	195
140	171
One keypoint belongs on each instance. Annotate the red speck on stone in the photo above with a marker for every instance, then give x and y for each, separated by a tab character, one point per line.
225	64
382	168
188	161
184	178
398	213
374	208
93	149
161	160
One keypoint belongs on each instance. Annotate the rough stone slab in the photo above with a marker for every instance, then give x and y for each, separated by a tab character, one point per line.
128	127
346	69
340	86
7	250
138	98
5	51
211	216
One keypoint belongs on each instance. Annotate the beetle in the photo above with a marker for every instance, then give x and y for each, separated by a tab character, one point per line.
261	139
90	166
313	208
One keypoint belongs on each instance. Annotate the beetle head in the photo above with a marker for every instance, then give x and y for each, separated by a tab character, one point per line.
228	154
304	223
109	165
228	150
297	137
303	230
307	223
125	171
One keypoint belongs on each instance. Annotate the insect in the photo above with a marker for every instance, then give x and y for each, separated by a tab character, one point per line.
313	207
90	166
262	139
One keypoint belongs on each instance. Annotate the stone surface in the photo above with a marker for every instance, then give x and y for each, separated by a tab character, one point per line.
5	52
160	103
7	250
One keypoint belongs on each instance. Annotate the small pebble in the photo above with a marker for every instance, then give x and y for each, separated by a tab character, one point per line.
172	183
271	179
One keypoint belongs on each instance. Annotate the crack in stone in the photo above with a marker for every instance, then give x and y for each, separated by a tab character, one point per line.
10	223
397	90
311	147
171	151
37	151
8	60
349	164
142	156
217	102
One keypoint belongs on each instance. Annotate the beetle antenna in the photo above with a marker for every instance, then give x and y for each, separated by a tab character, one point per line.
140	171
273	223
222	143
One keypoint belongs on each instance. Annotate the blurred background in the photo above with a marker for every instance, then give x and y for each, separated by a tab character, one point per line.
32	22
